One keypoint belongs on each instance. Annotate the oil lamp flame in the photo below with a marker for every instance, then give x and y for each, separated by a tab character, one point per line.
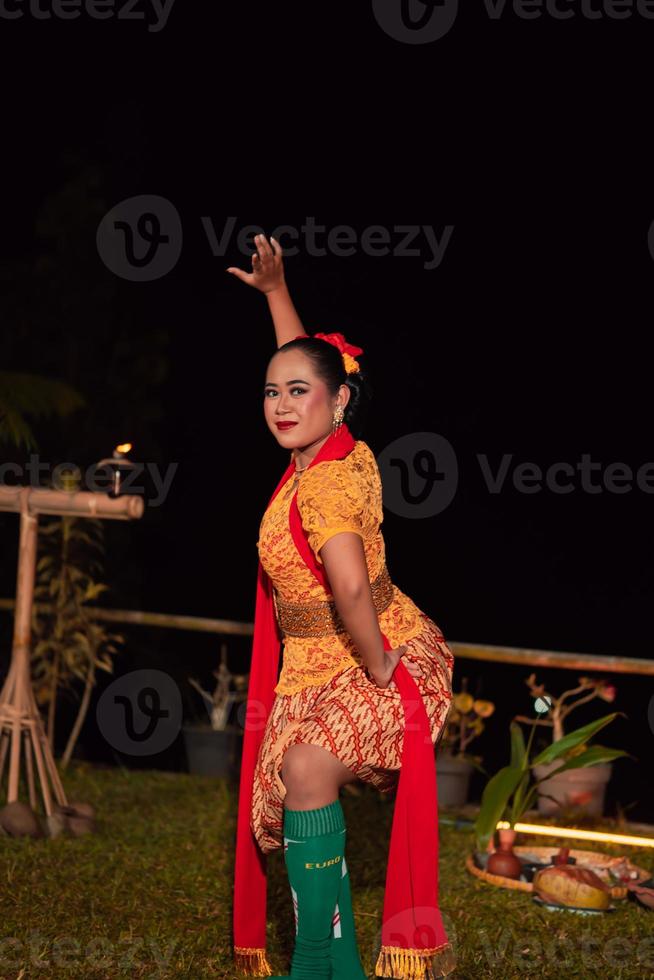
124	447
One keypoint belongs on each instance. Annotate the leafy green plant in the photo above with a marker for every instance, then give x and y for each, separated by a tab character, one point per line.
23	395
512	791
70	646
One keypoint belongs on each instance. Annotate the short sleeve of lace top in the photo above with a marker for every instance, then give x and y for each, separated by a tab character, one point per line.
331	499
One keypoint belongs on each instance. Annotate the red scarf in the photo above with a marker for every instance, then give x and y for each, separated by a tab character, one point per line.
412	928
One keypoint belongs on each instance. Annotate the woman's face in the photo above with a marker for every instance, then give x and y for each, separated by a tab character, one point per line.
294	393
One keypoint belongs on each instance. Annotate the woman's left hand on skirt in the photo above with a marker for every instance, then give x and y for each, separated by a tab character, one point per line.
382	677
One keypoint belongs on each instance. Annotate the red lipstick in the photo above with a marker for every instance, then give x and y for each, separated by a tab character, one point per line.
285	425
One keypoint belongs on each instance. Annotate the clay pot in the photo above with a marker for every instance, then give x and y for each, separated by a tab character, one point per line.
19	820
503	861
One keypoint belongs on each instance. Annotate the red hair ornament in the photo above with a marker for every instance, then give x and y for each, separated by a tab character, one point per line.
349	351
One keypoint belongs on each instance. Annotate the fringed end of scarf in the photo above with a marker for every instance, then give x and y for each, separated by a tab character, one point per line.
407	964
252	962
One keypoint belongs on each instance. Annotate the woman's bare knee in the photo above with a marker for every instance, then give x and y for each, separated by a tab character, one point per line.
311	771
297	768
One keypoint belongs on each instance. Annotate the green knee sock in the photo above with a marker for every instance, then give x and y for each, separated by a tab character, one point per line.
344	952
313	849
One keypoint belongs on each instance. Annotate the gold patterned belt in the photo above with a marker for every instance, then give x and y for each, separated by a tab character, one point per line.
322	618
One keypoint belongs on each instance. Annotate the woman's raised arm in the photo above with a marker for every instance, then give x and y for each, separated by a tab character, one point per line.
268	277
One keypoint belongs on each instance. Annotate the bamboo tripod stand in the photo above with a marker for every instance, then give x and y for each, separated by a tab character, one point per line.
21	725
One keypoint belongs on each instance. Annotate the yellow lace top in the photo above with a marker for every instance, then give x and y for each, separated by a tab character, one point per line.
332	496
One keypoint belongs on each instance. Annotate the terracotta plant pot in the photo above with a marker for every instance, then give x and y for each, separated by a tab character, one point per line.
582	789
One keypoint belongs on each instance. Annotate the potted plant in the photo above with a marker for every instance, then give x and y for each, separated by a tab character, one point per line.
513	790
584	788
214	748
454	765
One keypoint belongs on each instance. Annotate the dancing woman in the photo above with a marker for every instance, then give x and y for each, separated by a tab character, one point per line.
365	685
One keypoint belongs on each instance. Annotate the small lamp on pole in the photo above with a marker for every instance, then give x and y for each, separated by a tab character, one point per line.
118	462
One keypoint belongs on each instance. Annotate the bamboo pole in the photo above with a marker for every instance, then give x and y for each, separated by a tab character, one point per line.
554	658
29	768
197	624
523	656
20	719
80	503
194	624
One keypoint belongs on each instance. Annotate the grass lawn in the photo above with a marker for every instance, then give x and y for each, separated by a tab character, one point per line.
149	894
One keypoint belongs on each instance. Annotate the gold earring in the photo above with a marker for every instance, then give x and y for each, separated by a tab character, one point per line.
337	421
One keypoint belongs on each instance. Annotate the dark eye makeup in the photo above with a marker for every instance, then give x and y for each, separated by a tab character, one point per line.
268	391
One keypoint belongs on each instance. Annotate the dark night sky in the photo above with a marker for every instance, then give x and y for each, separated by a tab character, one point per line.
530	338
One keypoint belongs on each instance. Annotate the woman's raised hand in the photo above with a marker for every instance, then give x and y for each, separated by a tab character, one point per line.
268	277
267	266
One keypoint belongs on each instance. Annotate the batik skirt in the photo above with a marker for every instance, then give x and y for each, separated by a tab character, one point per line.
358	722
